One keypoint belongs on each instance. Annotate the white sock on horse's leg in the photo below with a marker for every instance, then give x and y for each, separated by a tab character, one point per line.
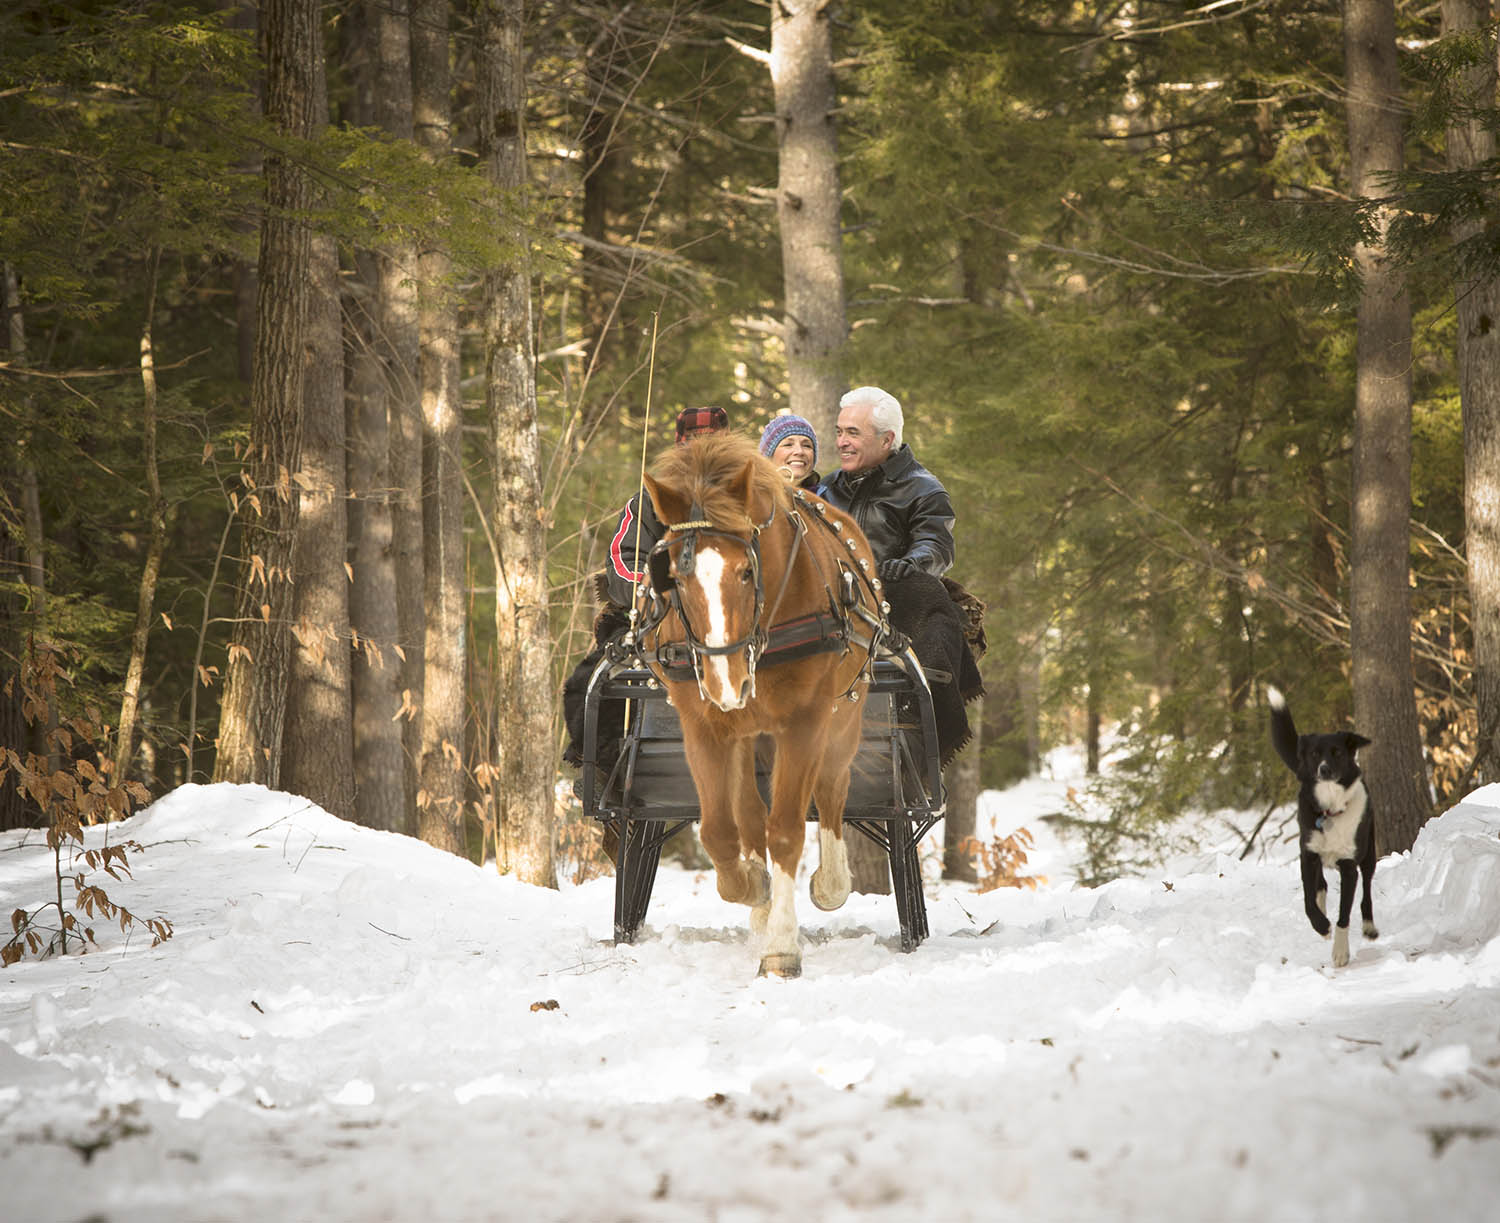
830	883
782	956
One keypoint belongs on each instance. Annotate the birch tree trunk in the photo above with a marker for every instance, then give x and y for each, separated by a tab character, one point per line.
318	742
254	705
1380	607
807	210
525	698
1471	143
440	791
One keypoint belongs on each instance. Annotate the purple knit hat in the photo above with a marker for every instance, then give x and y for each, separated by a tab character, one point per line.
783	427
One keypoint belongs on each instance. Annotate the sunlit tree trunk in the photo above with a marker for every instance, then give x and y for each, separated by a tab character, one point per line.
379	750
1380	606
318	742
814	326
1471	143
807	210
440	794
525	697
398	343
156	513
254	705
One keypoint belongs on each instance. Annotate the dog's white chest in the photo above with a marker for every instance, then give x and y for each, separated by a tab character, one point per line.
1334	841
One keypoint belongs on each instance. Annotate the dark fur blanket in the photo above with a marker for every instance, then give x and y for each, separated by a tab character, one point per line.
922	608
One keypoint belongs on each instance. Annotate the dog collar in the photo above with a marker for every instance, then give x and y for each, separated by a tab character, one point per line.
1323	816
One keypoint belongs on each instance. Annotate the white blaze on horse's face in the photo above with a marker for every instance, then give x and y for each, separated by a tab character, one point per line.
727	679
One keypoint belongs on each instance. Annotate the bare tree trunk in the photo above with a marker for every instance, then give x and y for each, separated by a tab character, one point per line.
156	511
1380	609
1471	143
814	326
399	347
440	793
807	209
379	751
525	695
254	704
960	819
15	570
243	16
318	742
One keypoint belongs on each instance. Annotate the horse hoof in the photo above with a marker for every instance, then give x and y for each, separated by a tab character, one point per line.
823	898
754	889
783	966
758	884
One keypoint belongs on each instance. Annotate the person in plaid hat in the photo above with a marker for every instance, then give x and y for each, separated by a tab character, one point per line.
695	422
635	535
629	546
792	444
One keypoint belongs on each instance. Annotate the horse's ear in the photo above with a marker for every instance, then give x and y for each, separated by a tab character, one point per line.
670	506
741	487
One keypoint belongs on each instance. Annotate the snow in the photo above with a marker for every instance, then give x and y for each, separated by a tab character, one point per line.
349	1025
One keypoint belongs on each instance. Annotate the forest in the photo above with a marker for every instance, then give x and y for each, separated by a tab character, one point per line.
336	336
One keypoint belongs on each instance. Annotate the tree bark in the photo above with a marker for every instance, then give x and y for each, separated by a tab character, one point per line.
525	692
807	210
1471	143
156	513
1380	608
254	705
399	347
440	792
960	819
318	741
379	750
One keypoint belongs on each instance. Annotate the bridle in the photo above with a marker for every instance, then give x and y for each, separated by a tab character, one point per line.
833	629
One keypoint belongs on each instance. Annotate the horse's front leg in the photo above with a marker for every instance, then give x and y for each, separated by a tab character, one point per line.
830	883
719	773
797	755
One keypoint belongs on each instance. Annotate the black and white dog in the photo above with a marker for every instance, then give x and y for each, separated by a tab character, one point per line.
1336	820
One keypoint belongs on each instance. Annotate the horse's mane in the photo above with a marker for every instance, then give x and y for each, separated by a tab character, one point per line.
700	470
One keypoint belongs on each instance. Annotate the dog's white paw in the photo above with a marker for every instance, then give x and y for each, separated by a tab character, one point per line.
1340	946
1369	931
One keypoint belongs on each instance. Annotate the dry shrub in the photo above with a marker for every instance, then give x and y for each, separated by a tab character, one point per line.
69	782
999	863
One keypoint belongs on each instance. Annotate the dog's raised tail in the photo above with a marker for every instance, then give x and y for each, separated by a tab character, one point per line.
1283	729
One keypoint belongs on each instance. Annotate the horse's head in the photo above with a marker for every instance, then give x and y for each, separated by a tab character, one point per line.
714	496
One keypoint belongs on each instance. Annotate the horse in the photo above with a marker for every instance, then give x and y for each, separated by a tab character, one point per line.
762	616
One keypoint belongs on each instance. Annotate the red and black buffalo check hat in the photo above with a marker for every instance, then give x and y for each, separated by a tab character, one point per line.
693	421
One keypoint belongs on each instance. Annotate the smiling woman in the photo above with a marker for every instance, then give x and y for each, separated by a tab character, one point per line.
791	443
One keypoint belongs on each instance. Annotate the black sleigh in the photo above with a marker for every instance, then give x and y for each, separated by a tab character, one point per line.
646	794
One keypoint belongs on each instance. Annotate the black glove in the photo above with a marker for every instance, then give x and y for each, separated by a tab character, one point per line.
895	569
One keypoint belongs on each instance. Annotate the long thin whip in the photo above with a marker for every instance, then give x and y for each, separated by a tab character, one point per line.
640	491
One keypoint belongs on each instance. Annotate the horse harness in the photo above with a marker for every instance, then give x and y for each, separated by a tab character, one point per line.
837	629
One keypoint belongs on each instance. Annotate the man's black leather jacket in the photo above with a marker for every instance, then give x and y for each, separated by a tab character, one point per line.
901	507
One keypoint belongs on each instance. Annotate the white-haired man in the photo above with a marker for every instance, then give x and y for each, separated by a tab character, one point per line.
902	508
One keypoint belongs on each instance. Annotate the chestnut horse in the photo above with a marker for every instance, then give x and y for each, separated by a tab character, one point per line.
764	618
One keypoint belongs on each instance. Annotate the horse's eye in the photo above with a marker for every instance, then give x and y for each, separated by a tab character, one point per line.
747	575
